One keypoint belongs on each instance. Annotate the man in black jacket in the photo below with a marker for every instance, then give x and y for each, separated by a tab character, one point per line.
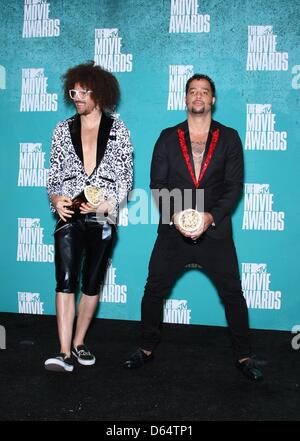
198	156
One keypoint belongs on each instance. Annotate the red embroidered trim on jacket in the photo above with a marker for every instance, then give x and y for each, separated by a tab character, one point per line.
212	146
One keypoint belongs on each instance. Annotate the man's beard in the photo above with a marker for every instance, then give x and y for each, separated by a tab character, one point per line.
197	111
86	110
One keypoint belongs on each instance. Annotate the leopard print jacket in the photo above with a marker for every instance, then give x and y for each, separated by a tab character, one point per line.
113	173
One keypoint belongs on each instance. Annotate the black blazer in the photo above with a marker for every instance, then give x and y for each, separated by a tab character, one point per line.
222	181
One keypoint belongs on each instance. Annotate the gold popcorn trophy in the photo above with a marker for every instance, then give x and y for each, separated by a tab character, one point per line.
90	194
190	220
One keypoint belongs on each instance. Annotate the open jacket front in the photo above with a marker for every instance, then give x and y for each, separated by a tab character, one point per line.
114	169
222	181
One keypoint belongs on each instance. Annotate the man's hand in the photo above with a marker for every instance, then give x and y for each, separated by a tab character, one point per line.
86	208
207	221
103	207
175	219
61	204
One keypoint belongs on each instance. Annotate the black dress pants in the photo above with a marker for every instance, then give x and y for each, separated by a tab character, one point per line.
218	259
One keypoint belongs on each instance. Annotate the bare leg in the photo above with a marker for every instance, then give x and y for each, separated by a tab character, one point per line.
65	314
86	311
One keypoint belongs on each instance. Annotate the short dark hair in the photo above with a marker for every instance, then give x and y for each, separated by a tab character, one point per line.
201	77
105	86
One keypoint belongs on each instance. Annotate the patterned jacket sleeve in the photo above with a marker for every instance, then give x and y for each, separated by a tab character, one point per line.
124	164
54	181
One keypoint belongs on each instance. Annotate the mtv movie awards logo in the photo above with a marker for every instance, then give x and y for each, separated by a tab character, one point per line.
185	17
111	292
260	129
178	76
258	209
32	171
256	281
30	303
108	53
30	242
176	311
34	96
37	22
262	53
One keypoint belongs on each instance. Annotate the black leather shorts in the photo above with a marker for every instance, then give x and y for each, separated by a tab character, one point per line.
82	238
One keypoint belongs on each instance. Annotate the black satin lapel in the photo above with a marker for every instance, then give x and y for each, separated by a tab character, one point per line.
103	135
75	131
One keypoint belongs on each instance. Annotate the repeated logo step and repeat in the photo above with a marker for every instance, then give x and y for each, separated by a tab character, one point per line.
38	21
35	96
108	51
258	209
153	49
262	52
186	18
256	281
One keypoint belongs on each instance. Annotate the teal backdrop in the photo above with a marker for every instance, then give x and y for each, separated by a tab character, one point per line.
249	48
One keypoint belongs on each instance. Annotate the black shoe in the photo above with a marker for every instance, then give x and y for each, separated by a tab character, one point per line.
137	359
84	355
251	368
61	363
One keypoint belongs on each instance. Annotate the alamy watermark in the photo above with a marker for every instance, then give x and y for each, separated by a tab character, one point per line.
296	339
163	201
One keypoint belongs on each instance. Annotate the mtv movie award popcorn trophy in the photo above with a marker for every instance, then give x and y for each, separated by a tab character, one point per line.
190	220
90	194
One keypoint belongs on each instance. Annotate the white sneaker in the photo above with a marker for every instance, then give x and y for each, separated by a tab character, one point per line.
61	363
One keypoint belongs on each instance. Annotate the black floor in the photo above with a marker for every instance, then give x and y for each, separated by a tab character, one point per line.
192	378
